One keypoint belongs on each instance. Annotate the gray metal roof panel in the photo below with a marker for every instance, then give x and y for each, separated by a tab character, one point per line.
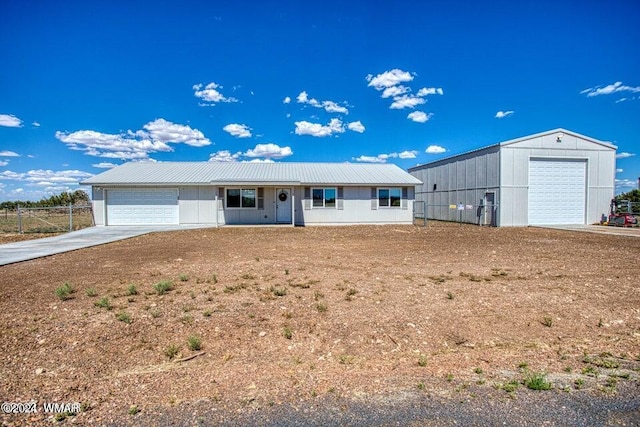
189	173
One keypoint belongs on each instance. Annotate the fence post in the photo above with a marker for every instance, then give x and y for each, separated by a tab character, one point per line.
70	217
19	221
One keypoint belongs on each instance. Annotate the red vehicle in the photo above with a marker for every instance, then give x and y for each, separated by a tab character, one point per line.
622	219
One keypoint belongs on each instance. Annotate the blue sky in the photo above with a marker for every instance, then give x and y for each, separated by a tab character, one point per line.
88	85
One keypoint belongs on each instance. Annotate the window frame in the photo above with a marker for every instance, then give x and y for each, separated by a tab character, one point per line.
324	198
242	190
390	197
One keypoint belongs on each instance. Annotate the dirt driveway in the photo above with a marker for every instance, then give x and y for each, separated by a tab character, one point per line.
256	318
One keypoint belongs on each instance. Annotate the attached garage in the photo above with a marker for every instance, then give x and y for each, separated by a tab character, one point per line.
557	191
141	206
550	178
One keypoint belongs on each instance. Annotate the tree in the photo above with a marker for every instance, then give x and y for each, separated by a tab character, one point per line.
632	196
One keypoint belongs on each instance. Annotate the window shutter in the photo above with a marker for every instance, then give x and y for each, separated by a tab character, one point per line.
374	198
307	198
260	198
220	198
405	198
340	201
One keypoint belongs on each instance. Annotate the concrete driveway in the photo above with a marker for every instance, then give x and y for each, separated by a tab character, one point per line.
599	229
87	237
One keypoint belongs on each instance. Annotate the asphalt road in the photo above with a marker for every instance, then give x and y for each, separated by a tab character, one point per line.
475	406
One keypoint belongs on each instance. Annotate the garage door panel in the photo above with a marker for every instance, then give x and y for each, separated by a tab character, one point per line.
557	191
142	207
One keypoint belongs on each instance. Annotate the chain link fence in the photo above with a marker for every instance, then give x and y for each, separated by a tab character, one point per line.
55	219
486	214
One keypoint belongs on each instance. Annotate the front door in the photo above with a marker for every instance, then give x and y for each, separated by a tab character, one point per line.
283	205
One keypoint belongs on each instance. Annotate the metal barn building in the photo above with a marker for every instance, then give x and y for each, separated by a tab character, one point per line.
553	177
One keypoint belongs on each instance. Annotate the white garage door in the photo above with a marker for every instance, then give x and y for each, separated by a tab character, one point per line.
557	191
142	206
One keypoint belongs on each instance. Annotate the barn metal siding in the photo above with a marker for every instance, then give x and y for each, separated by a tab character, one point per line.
461	179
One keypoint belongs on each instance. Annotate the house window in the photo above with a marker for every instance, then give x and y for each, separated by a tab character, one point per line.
241	197
389	197
324	197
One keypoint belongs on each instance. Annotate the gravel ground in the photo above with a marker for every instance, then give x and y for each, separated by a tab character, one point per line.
327	326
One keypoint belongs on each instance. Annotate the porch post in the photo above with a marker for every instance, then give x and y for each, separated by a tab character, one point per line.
216	209
293	209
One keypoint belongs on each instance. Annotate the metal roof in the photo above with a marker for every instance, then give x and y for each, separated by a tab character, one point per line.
291	173
513	141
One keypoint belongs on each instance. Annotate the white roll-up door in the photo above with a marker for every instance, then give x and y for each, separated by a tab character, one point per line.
557	191
152	206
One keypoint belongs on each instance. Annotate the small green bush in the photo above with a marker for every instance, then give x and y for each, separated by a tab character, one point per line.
172	351
104	303
64	291
163	287
133	409
195	343
287	333
91	292
131	290
537	381
422	360
184	278
124	317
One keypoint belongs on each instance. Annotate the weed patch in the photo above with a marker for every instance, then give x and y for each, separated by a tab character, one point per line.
64	292
163	287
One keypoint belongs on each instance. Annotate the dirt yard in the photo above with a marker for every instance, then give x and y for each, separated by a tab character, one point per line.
286	315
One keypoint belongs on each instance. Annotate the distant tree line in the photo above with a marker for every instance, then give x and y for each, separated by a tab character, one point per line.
78	197
632	196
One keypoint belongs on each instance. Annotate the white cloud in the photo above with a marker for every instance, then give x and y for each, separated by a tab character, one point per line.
406	101
318	130
35	124
625	184
389	78
503	114
382	158
9	154
329	106
269	150
619	170
419	116
224	156
435	149
4	162
394	91
622	100
430	91
237	130
10	121
609	89
258	161
166	131
356	126
104	165
408	154
624	155
154	137
286	100
211	94
42	177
